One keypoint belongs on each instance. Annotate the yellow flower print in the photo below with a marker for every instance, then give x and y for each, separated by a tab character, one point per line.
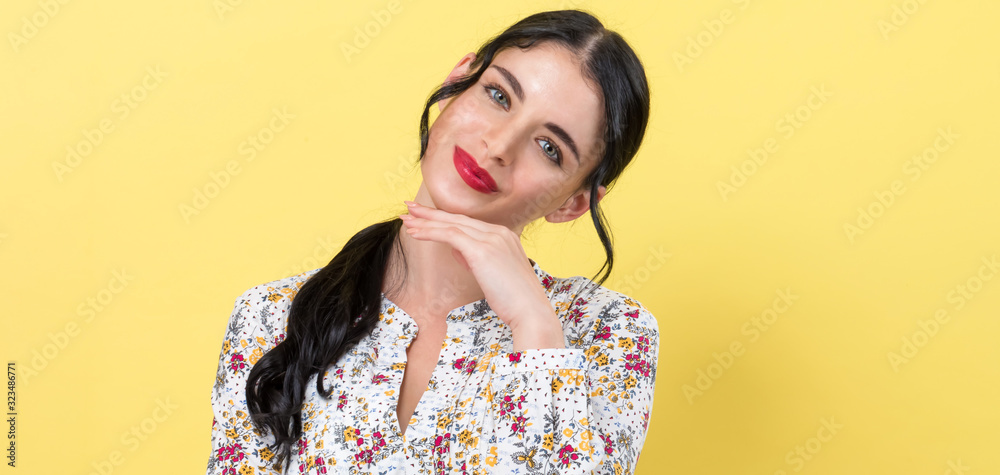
443	421
398	366
556	385
568	432
349	434
626	343
266	454
225	346
630	382
492	461
547	441
274	297
602	359
592	351
246	470
257	353
231	433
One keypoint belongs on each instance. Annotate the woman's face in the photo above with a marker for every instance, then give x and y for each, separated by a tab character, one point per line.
533	123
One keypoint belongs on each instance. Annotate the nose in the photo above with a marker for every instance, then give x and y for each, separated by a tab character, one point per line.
499	141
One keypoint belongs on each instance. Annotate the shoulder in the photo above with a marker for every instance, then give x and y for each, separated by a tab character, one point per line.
581	303
261	312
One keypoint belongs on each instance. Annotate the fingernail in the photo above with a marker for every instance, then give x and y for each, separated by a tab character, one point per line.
410	203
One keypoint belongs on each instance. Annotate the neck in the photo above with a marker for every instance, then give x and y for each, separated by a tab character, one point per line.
434	282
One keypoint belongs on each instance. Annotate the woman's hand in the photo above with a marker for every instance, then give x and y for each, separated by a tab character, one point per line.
494	256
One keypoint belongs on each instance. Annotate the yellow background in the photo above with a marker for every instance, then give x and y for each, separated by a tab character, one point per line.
723	74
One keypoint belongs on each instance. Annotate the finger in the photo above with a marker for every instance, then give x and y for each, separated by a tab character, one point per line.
451	235
444	216
481	236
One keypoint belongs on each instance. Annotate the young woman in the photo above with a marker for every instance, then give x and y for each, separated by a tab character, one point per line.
431	343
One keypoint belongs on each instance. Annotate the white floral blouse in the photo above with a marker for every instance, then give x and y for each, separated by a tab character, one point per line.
487	409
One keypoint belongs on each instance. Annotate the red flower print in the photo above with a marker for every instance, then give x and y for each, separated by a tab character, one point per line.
642	344
515	357
508	403
609	445
468	366
603	332
236	363
567	454
576	314
233	452
635	363
518	426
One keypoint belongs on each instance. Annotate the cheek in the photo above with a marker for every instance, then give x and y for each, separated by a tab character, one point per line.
538	190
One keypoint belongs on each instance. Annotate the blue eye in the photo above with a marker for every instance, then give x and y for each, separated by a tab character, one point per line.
551	150
498	95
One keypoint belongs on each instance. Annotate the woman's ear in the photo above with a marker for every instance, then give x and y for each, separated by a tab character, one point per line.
460	69
575	206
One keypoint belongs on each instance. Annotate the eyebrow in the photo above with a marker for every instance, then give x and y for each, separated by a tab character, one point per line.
519	92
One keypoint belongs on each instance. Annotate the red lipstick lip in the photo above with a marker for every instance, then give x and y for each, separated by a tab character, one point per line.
475	176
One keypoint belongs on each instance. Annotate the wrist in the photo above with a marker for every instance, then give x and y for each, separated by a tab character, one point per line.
537	334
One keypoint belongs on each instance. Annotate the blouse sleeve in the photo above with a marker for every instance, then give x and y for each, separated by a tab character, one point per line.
237	447
578	410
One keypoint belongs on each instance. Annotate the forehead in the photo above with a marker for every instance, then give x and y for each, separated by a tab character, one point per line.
555	90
